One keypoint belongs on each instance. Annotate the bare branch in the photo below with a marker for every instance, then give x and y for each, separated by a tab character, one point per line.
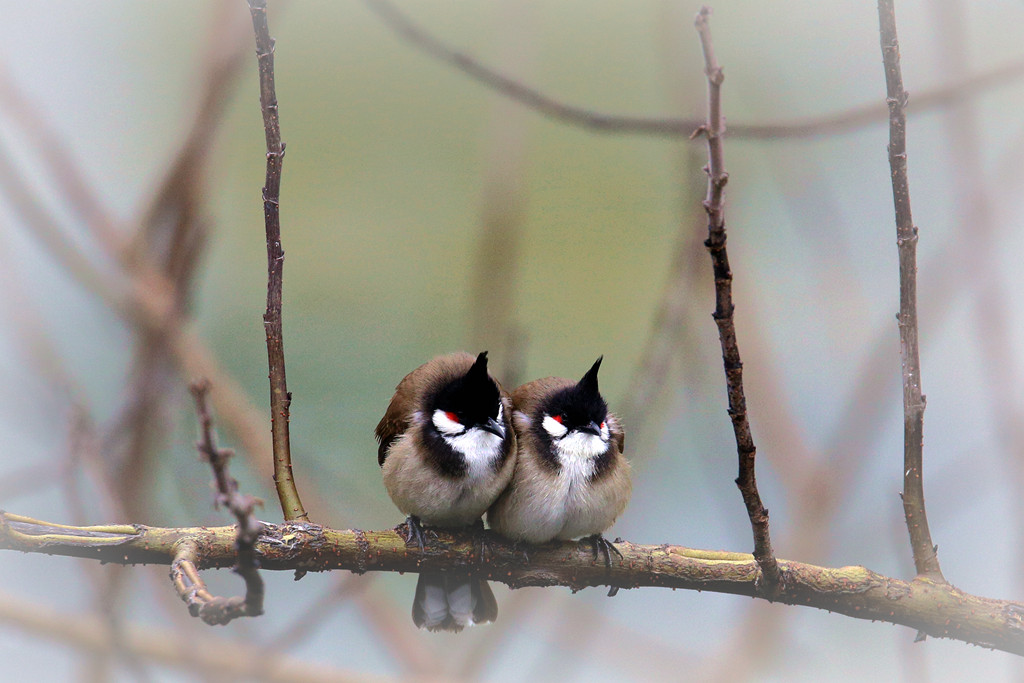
813	126
184	575
938	609
926	560
280	398
723	315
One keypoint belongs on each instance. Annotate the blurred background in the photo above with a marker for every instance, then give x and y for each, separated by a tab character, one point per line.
424	212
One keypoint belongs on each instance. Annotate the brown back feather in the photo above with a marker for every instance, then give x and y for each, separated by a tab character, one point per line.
409	396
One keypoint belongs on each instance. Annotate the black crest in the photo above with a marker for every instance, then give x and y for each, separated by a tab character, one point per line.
579	407
581	404
473	397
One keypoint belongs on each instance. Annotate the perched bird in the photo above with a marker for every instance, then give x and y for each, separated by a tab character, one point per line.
571	479
447	450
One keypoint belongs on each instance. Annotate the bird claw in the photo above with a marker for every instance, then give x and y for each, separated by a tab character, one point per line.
415	533
602	546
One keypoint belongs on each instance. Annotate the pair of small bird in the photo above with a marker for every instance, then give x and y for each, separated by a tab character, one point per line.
545	464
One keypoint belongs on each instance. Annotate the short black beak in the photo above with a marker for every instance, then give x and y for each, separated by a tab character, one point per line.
494	427
592	428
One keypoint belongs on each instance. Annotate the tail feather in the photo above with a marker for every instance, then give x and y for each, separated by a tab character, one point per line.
450	603
486	608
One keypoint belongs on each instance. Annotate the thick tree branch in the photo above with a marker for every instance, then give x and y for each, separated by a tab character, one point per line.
926	560
935	608
280	398
813	126
717	178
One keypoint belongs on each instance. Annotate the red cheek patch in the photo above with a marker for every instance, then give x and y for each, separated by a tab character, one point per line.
452	416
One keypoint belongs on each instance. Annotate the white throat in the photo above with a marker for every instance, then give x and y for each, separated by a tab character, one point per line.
480	447
577	451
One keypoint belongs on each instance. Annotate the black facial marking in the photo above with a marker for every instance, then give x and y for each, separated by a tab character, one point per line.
603	464
579	407
446	460
474	399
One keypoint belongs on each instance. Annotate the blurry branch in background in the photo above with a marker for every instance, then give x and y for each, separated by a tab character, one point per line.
937	609
208	657
280	398
142	294
840	581
819	494
159	258
315	616
724	309
976	230
139	290
926	560
189	585
829	124
497	264
583	631
818	489
670	337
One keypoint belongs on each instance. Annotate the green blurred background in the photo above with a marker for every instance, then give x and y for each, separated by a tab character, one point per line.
418	206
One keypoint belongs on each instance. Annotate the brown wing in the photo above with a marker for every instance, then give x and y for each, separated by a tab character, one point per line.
390	427
397	417
617	432
408	397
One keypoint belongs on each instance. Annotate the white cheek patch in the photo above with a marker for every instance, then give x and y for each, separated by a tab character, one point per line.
446	425
501	413
553	427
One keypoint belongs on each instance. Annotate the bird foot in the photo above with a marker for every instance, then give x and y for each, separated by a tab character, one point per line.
602	546
415	532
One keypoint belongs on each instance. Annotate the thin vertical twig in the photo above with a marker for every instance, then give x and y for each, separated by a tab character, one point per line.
184	570
723	315
926	560
280	398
